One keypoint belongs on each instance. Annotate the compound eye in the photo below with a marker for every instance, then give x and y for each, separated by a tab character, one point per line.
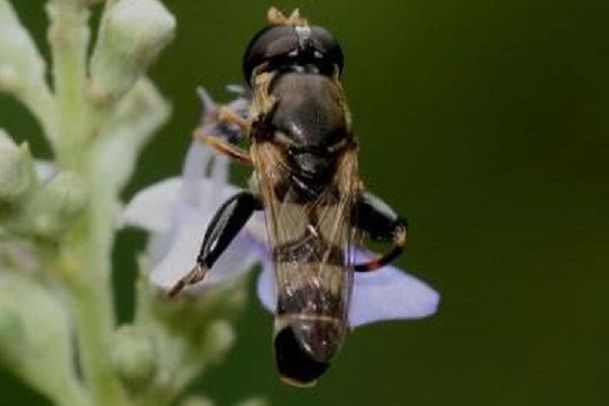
301	45
269	43
328	47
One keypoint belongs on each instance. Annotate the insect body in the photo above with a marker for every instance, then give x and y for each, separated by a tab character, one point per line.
305	178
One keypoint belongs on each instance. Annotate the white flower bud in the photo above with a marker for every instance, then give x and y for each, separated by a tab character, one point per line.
20	62
132	35
57	205
134	357
16	170
35	340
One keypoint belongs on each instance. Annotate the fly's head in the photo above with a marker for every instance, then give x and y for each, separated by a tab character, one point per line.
291	44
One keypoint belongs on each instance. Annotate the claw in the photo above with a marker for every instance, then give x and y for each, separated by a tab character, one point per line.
195	276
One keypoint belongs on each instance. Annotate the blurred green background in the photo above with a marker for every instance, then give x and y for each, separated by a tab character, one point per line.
486	123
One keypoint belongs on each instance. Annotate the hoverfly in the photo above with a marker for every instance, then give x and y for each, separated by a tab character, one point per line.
304	156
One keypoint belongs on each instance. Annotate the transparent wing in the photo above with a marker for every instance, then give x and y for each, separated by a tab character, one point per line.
310	239
383	295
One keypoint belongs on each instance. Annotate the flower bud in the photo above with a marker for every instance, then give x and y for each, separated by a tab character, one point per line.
35	337
20	62
132	35
58	204
16	170
134	357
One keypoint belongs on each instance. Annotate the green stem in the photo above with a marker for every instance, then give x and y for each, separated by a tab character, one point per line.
87	268
69	38
93	310
90	286
87	251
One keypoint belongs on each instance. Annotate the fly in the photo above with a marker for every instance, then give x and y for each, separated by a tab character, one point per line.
304	155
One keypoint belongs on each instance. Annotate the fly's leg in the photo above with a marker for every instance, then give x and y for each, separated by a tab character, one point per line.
223	146
227	116
222	127
381	223
223	228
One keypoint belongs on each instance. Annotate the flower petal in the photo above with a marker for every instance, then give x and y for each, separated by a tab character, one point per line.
152	208
198	158
390	294
184	248
266	288
238	259
209	105
203	185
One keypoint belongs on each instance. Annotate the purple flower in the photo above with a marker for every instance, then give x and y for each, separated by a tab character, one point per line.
177	211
